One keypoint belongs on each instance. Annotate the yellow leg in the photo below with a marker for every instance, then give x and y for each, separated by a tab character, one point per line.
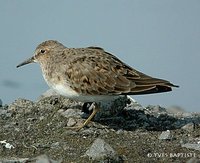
95	109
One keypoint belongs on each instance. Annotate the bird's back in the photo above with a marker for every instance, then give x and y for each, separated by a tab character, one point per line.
93	71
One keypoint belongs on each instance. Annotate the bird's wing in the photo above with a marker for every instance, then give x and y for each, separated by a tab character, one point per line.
96	72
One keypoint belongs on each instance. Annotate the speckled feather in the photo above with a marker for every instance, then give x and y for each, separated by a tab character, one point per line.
93	71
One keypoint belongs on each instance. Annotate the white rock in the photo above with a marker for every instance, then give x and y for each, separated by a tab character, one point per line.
101	150
165	135
71	122
192	146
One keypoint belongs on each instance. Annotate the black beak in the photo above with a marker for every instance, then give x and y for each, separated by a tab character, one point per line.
30	60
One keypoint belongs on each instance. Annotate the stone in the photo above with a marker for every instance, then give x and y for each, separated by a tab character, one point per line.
191	146
71	122
55	145
193	160
100	150
45	159
188	127
75	113
165	135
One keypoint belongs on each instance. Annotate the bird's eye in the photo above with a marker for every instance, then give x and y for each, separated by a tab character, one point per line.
42	51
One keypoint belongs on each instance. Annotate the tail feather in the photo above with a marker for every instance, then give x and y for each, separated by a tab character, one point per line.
151	85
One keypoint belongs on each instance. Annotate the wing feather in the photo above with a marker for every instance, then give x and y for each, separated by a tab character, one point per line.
97	72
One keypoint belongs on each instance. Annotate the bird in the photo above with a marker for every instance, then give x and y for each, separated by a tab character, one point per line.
91	74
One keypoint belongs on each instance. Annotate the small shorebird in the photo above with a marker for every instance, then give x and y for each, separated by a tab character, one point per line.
91	74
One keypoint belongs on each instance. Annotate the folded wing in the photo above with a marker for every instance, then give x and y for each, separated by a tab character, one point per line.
101	73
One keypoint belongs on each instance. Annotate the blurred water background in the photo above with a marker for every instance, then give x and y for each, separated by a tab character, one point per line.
159	38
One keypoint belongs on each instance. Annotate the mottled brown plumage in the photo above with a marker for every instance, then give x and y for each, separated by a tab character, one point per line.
90	74
93	71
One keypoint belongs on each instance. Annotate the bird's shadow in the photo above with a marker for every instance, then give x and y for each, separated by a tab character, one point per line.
124	116
131	119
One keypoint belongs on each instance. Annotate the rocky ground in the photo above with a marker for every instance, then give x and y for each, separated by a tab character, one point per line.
43	132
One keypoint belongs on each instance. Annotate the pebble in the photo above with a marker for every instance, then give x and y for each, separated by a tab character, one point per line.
87	131
120	131
187	115
191	146
3	112
71	122
165	135
55	145
193	160
38	159
71	113
100	150
188	127
45	159
156	109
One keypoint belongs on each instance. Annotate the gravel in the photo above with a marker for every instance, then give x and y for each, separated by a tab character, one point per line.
125	131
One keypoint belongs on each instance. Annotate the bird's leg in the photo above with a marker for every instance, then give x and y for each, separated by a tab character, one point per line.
94	109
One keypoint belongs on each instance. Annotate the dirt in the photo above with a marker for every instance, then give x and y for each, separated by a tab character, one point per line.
30	129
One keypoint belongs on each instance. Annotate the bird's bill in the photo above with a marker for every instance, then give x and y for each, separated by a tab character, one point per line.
30	60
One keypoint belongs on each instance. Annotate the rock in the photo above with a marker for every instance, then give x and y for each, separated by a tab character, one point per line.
134	104
41	127
112	107
90	131
100	150
6	145
193	160
75	113
21	105
188	127
71	122
156	110
38	159
192	146
5	113
17	160
165	135
120	131
187	115
55	145
44	159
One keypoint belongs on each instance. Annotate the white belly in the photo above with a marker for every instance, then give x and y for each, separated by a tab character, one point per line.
68	92
64	90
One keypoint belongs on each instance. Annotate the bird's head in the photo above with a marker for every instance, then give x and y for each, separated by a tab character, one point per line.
44	51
